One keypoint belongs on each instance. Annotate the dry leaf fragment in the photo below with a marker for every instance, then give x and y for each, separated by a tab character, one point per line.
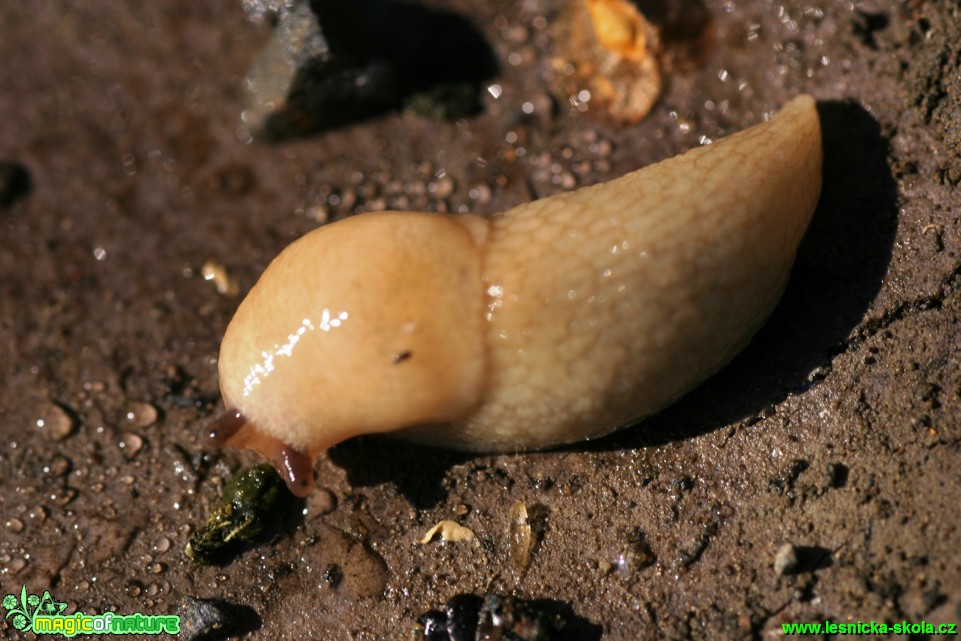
449	531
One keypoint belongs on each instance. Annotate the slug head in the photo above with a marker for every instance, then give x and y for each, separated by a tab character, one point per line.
368	325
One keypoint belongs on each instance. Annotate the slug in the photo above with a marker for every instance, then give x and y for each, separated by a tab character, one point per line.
559	320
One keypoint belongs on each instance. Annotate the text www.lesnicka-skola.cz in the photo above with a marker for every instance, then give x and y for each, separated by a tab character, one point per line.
870	627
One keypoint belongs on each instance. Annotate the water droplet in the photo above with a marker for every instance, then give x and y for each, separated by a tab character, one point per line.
134	588
16	564
318	213
140	415
55	422
376	204
162	545
565	179
480	193
602	148
442	188
636	555
348	199
59	466
424	169
130	443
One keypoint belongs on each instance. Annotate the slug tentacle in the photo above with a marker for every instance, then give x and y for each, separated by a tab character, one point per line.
558	320
222	430
234	430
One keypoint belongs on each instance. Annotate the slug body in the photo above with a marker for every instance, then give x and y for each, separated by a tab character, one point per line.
559	320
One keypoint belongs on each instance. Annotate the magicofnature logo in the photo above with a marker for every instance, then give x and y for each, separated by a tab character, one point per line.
28	607
44	615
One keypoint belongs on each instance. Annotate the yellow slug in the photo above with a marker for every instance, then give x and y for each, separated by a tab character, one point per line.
559	320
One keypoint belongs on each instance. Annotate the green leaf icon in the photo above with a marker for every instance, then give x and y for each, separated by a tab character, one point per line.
50	607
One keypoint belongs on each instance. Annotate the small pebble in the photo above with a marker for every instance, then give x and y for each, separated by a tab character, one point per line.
786	560
606	57
39	514
467	617
636	556
96	387
221	278
16	564
203	619
65	496
333	575
604	568
59	466
321	501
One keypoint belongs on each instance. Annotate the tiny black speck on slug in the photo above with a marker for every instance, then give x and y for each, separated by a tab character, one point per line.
559	320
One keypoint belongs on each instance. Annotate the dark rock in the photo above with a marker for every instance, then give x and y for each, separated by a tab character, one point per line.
330	64
15	183
213	619
468	617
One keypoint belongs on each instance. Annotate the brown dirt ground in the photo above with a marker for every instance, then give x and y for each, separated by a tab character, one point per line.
838	430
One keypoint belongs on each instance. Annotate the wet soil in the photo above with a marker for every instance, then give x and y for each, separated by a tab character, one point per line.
837	431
